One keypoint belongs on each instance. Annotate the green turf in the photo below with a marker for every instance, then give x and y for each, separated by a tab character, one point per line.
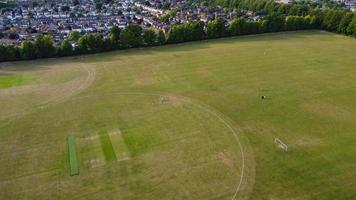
73	160
119	145
185	148
7	81
107	147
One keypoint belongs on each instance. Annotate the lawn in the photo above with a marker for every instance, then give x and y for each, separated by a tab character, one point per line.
185	121
8	80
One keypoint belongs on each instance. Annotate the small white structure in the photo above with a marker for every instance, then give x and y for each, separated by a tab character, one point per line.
284	1
281	144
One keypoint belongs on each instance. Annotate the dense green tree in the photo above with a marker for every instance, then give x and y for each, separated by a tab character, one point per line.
66	48
351	29
90	43
74	36
252	27
176	34
28	50
107	45
149	37
94	42
115	36
3	53
216	28
299	10
274	22
345	21
194	31
237	27
298	22
161	38
310	22
283	9
82	46
44	46
132	36
332	20
9	53
319	15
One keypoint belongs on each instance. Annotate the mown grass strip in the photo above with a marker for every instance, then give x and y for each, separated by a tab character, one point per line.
107	147
8	81
73	161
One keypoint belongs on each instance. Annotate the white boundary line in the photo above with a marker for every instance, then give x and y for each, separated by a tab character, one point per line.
203	106
89	79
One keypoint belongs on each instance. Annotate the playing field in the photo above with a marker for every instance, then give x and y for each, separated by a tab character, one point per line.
185	121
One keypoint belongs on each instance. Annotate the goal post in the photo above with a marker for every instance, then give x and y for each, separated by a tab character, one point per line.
281	144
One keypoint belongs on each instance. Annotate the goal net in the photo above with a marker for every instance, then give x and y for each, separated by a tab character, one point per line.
281	144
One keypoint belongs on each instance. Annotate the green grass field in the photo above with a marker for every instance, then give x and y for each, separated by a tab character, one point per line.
185	121
72	154
8	80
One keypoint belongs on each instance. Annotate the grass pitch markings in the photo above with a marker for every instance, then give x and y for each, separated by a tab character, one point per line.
133	145
107	147
119	146
91	152
73	161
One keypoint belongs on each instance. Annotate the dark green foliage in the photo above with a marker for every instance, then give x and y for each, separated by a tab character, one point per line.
74	36
274	22
66	48
149	37
345	21
44	47
161	38
332	19
9	53
216	28
90	43
277	17
115	36
351	29
237	27
176	34
132	36
28	50
299	22
194	31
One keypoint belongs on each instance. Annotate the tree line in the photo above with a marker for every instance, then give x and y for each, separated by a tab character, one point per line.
43	46
279	17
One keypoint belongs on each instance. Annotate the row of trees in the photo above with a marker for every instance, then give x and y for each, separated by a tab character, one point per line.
281	17
218	28
43	46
